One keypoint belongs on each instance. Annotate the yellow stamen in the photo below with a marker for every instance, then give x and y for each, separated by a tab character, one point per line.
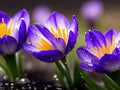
60	33
4	30
108	49
43	45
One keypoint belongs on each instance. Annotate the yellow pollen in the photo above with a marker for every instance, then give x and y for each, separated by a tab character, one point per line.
108	49
43	45
60	33
4	30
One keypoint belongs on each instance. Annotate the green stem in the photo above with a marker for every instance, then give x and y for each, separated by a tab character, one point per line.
64	61
115	76
7	72
65	73
60	77
19	64
109	83
11	61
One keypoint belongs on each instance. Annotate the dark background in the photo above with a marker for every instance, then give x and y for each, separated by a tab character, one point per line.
12	6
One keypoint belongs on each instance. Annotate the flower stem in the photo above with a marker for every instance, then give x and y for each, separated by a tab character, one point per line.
64	70
7	72
11	62
19	64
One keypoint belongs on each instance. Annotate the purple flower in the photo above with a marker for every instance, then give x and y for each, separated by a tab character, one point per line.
102	53
40	14
53	41
13	31
92	10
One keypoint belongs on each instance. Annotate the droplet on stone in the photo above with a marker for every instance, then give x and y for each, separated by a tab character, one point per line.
23	81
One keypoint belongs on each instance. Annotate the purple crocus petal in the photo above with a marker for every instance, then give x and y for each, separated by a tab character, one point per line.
33	34
49	55
109	35
95	61
95	38
22	35
85	55
8	45
71	42
117	38
86	67
56	19
116	51
74	25
45	32
5	16
59	44
110	62
23	14
92	9
99	69
30	48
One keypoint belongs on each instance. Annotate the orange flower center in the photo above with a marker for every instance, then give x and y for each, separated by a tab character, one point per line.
108	49
46	45
60	33
4	30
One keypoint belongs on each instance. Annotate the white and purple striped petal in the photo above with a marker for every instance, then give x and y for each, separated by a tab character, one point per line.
109	35
30	48
56	20
85	55
95	38
22	14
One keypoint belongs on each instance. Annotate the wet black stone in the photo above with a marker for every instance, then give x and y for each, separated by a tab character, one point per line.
37	81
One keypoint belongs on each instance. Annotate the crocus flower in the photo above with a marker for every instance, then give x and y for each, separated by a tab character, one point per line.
13	31
102	53
92	9
53	41
40	14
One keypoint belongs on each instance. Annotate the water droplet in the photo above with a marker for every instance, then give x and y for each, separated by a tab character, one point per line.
55	76
23	88
49	86
23	81
45	88
4	77
56	79
29	87
12	84
58	88
35	88
6	84
82	77
33	82
89	30
12	87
